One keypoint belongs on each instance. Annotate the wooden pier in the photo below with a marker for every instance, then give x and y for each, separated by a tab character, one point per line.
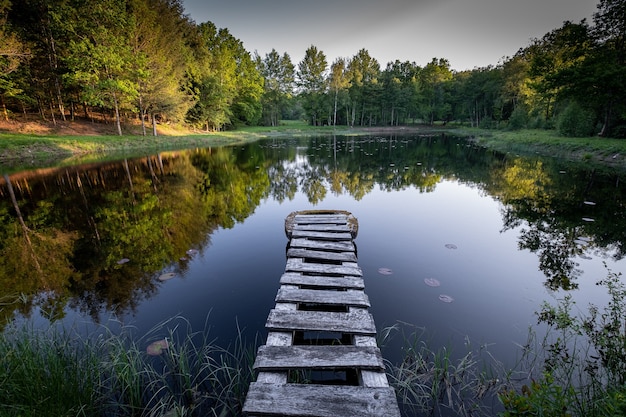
321	358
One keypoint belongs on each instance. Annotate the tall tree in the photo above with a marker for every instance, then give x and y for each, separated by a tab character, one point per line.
13	52
313	83
339	83
161	59
610	61
279	77
101	57
363	71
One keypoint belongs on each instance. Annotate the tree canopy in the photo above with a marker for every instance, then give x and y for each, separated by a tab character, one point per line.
146	62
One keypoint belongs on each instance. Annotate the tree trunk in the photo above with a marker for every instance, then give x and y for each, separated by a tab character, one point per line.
4	110
142	116
118	123
335	109
154	125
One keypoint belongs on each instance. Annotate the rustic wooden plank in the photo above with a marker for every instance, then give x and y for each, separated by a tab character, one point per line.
320	254
296	265
342	246
309	234
311	218
273	358
320	401
295	278
369	378
323	297
358	321
323	227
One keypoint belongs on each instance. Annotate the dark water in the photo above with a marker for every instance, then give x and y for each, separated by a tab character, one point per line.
501	233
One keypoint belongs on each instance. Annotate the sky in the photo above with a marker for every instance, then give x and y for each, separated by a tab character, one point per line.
468	33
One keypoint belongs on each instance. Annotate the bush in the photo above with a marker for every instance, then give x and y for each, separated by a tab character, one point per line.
518	119
575	121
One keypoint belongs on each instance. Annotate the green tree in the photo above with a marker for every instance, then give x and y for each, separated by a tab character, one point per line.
100	55
160	60
313	84
434	77
338	83
363	71
279	77
13	53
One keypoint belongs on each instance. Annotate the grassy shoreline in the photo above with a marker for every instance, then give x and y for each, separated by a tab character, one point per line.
23	151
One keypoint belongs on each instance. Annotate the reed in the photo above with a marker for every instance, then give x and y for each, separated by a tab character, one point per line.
56	372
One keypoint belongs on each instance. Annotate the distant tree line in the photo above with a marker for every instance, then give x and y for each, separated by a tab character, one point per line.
117	60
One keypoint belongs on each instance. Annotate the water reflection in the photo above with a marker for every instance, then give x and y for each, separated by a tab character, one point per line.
63	232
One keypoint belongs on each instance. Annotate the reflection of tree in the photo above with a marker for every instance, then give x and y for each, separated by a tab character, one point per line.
550	206
81	221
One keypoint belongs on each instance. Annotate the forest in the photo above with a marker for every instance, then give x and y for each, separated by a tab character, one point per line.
148	63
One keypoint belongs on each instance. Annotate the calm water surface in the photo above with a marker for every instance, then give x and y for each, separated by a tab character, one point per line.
501	233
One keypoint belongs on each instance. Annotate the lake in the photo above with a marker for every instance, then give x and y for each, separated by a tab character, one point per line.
200	234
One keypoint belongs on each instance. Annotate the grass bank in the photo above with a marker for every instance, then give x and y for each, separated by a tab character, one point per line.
605	151
28	150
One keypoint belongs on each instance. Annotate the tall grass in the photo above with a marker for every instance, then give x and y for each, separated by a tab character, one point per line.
58	373
443	382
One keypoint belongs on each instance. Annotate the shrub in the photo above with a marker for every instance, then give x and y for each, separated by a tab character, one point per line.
575	121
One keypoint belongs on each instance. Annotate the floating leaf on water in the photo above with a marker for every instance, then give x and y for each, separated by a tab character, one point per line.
451	246
589	203
123	261
385	271
445	298
588	219
192	252
166	276
432	282
156	348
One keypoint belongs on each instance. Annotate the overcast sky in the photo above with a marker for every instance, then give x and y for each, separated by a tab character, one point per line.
469	33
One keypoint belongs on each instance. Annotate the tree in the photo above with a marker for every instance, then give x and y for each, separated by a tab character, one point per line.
363	71
279	76
434	76
609	63
339	83
161	59
101	58
13	53
312	83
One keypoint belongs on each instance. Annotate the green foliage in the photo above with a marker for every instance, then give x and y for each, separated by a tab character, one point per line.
583	360
540	398
58	373
518	119
575	121
430	381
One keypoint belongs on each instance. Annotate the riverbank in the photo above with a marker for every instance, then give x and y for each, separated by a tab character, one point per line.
25	146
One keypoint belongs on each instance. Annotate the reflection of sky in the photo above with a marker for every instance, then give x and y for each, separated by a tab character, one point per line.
495	286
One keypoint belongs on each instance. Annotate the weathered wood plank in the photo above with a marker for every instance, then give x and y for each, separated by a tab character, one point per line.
295	278
320	401
309	234
342	246
320	254
324	297
353	322
323	227
311	218
296	265
273	358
